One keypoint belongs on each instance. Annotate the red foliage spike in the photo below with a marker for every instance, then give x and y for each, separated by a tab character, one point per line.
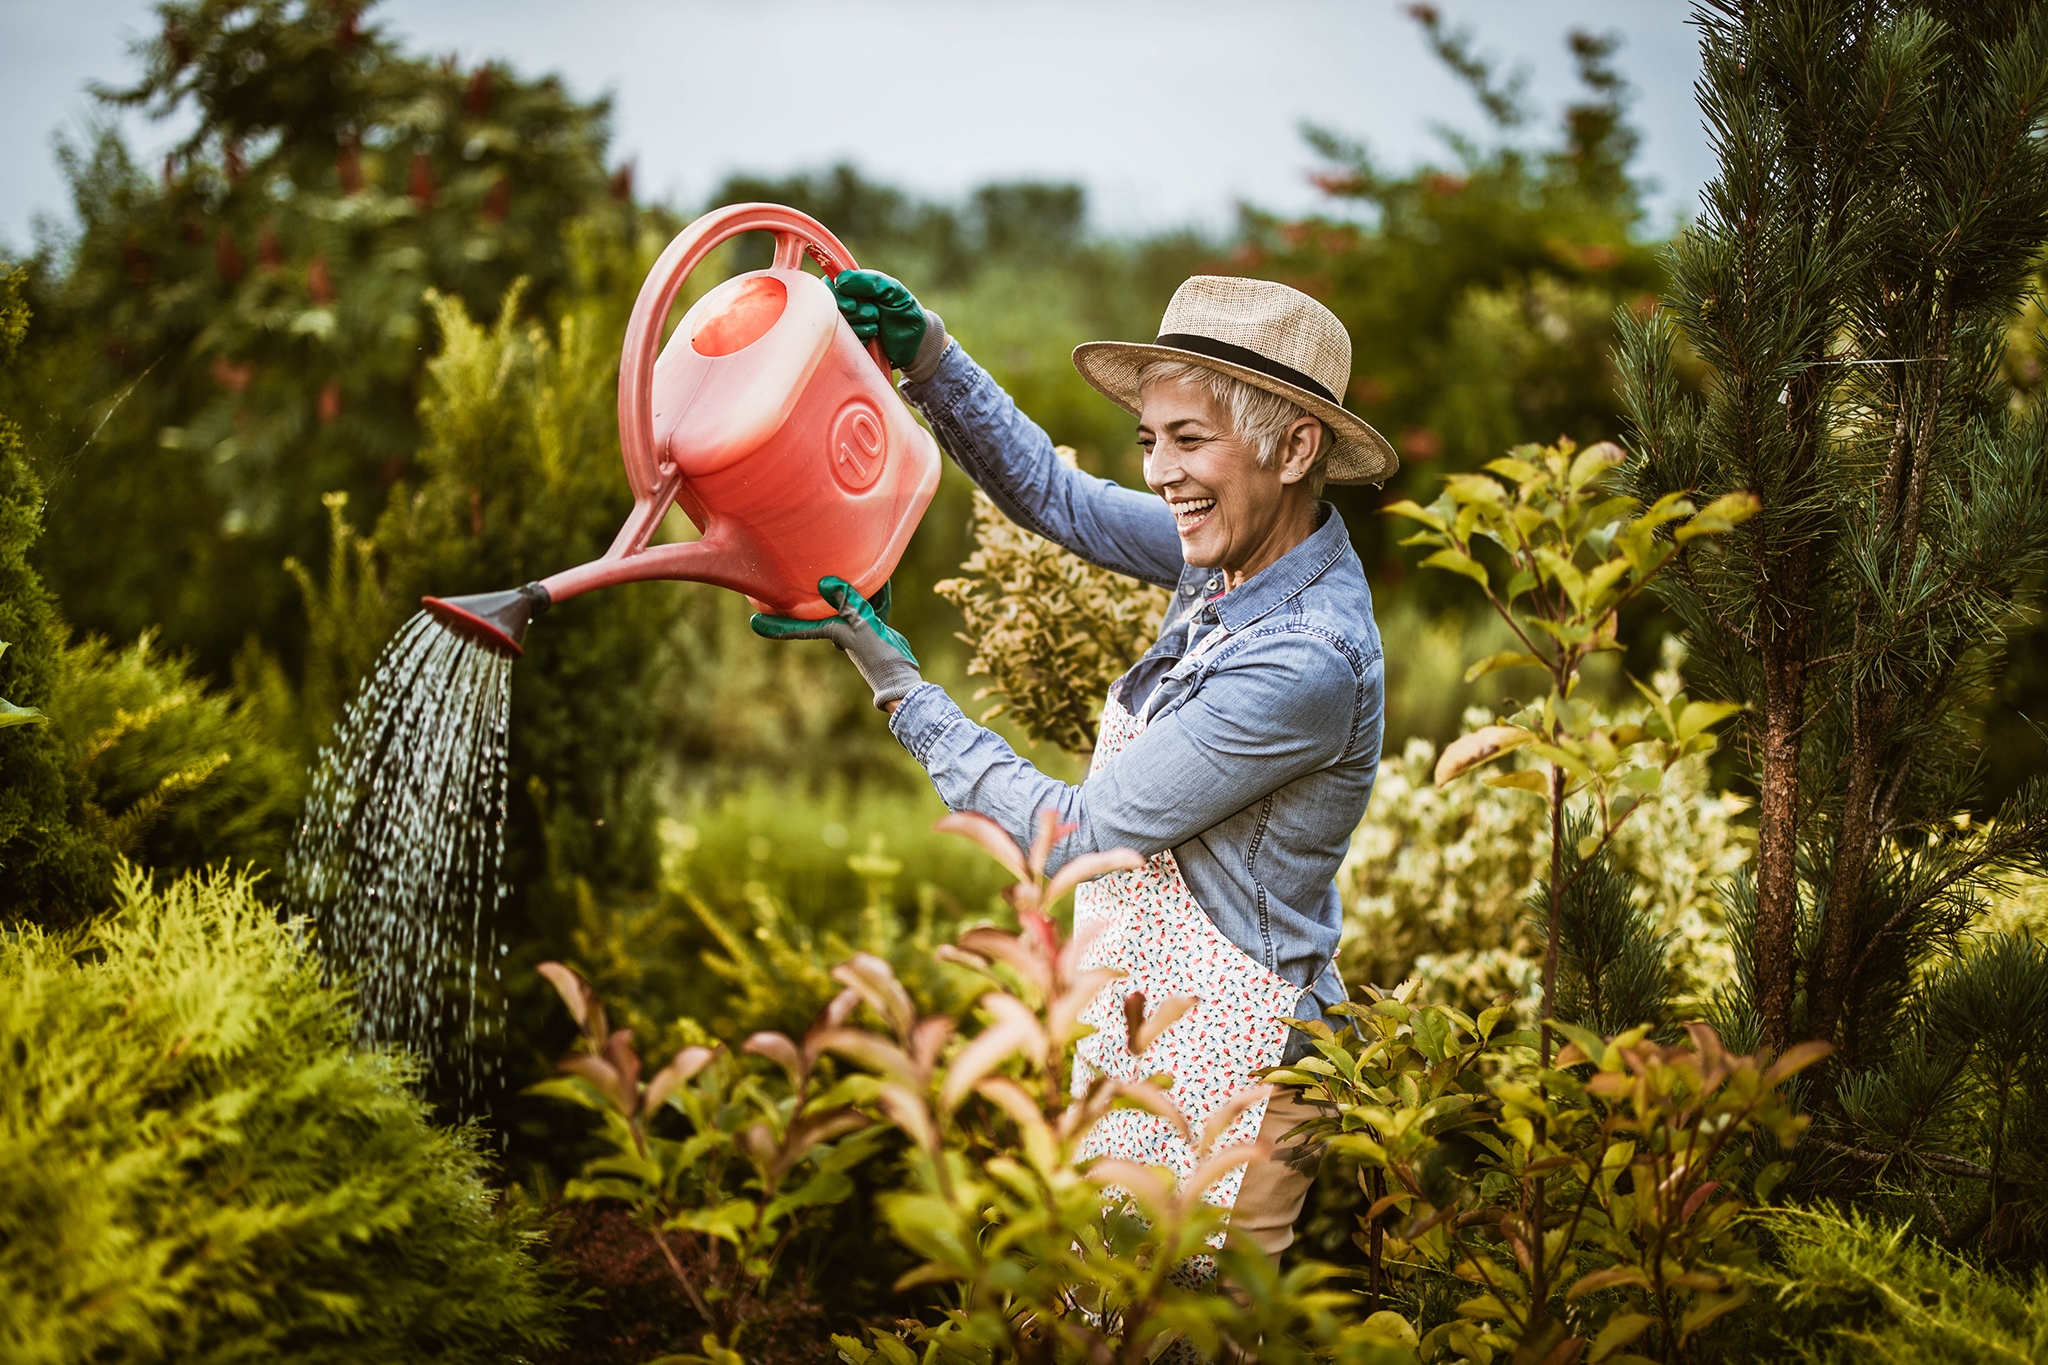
268	253
232	375
420	183
498	203
328	409
476	98
319	283
227	257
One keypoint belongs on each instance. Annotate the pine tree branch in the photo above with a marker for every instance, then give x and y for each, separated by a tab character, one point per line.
2031	833
1933	1161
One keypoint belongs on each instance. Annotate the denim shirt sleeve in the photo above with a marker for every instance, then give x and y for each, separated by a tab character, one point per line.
1261	716
1011	459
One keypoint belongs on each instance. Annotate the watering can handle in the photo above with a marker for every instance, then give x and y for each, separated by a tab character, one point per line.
796	235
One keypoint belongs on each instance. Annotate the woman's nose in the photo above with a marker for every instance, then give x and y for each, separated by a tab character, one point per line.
1161	468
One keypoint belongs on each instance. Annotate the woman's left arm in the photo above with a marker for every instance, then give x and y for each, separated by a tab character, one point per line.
1278	707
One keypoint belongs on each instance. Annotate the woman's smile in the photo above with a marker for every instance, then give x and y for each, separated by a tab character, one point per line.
1190	512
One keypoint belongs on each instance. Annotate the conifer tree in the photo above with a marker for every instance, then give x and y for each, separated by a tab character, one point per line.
45	858
1868	237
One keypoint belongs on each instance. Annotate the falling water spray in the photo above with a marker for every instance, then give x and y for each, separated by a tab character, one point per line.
398	857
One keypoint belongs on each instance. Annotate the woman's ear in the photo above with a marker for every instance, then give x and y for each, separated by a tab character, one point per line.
1299	448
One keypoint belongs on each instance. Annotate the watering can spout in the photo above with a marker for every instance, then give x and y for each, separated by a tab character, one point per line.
496	620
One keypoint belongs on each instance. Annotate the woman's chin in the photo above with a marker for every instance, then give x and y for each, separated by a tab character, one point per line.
1200	544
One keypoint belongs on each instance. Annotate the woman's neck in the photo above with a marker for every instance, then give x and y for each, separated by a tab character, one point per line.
1297	522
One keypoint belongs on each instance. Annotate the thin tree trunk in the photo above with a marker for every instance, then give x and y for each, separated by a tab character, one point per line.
1855	849
1783	648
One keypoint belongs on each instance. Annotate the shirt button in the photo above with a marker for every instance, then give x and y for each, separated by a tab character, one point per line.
1212	585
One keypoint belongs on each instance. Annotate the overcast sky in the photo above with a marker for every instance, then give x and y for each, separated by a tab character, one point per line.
1169	111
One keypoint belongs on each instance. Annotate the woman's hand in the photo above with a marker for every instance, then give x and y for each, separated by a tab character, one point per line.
876	305
862	629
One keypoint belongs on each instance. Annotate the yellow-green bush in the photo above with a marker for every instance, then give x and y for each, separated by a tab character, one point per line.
1050	631
1849	1289
201	1167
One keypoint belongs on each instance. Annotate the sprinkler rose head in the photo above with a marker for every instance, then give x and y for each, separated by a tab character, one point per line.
496	620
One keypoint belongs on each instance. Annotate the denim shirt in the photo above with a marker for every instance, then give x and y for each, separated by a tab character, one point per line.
1259	748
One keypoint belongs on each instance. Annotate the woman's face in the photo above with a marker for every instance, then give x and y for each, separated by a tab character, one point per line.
1231	513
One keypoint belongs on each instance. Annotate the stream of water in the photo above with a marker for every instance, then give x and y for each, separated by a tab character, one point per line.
398	856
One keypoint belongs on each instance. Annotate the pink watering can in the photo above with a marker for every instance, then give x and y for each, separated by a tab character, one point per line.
766	421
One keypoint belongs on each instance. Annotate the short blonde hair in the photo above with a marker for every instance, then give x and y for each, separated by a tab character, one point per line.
1260	418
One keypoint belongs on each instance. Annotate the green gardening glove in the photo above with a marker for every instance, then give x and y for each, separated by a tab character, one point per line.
875	305
862	629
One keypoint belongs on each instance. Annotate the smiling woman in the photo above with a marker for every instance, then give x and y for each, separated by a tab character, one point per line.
1238	754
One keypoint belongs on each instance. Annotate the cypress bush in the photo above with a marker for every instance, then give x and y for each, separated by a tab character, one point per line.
45	859
202	1168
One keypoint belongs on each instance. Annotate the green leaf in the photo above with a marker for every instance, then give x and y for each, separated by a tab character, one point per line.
1416	512
1458	562
1708	1307
1621	1329
827	1187
1722	514
10	714
1484	1307
1698	715
1601	580
1507	658
572	1089
1589	1042
1564	573
895	1350
1592	462
722	1221
1481	746
1646	780
1521	779
1475	488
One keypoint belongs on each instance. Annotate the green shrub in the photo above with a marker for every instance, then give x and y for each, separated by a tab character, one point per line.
47	863
167	771
202	1168
1850	1290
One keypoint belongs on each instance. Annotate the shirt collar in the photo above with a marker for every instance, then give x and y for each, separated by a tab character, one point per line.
1286	576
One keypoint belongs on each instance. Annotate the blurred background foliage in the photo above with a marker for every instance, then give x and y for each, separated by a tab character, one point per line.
356	340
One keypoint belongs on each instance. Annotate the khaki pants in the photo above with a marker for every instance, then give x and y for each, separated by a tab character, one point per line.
1275	1188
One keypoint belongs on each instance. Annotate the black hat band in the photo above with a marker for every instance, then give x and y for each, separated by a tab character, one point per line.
1249	359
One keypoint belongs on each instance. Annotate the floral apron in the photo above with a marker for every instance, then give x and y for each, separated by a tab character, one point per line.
1159	937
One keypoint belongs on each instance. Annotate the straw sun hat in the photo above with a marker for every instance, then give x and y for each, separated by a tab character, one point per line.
1276	338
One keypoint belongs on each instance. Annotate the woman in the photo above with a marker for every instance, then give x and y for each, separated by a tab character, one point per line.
1239	753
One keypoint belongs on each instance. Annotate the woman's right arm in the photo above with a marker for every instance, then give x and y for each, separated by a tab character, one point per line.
1012	460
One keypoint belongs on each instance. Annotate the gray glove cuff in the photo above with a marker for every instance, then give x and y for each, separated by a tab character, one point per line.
896	679
891	675
925	363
